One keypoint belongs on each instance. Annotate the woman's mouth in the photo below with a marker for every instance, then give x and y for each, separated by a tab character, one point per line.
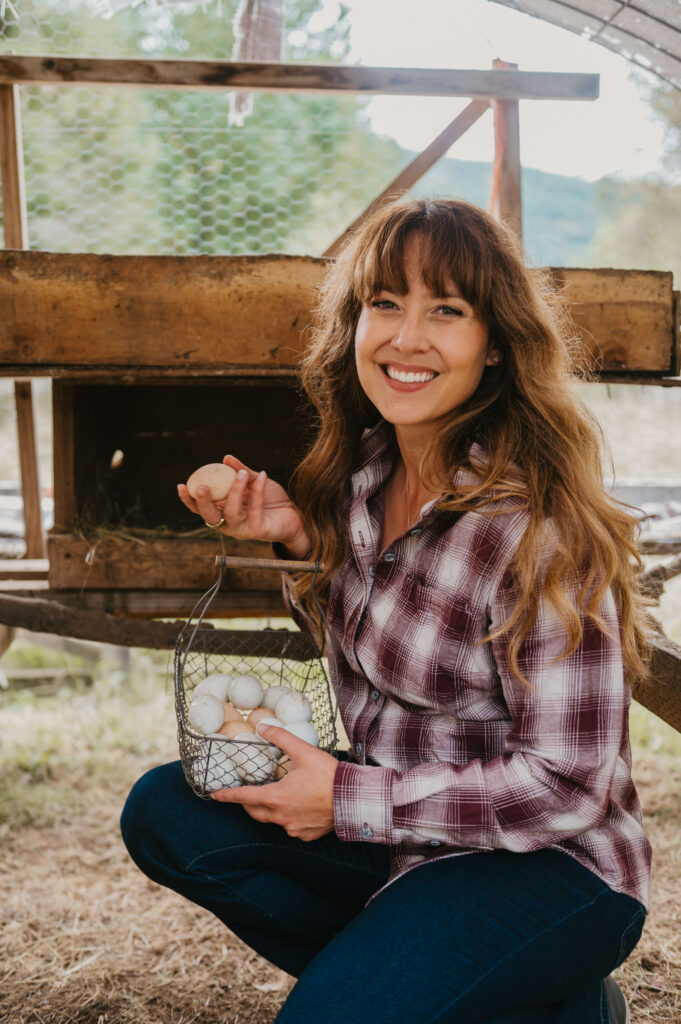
408	376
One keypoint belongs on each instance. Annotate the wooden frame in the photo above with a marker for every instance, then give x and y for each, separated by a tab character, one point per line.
258	76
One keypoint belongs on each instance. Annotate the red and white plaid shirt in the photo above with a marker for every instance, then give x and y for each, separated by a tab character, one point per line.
450	754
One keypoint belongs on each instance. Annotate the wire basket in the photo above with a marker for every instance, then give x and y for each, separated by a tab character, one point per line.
273	657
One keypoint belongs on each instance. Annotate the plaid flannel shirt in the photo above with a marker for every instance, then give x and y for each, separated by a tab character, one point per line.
449	753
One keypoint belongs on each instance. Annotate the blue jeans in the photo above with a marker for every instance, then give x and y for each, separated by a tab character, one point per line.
496	937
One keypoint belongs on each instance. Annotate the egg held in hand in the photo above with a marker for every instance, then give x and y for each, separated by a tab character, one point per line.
217	477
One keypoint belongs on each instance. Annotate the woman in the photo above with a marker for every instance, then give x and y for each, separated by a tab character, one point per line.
478	856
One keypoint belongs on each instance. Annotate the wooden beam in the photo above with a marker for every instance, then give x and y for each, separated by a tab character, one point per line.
12	167
506	172
43	616
662	694
125	315
418	167
150	604
269	77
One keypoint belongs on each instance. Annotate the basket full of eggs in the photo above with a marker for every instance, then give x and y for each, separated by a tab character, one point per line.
227	681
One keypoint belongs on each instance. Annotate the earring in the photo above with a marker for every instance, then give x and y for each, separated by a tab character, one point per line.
495	358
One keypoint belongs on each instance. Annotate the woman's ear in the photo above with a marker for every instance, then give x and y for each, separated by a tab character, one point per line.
493	357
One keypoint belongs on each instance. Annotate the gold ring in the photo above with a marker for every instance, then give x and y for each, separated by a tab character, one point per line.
215	526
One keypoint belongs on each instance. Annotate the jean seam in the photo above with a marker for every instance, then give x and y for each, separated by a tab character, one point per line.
535	938
273	846
640	913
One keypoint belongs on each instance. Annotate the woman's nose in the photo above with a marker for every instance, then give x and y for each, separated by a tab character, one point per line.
411	336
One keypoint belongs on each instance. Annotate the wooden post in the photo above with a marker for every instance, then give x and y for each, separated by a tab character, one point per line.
506	194
16	237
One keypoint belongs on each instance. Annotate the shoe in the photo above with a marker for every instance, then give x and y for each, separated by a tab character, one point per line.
618	1007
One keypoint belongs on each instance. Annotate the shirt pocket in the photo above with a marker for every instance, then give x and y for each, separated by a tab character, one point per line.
459	661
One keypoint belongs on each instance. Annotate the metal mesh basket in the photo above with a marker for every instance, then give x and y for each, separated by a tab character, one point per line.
275	657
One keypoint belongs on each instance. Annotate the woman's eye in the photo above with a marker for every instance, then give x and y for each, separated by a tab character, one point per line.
452	311
382	304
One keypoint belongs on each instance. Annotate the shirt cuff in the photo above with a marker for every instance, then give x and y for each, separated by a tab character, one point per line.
362	803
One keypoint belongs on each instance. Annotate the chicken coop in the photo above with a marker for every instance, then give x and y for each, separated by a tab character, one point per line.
161	363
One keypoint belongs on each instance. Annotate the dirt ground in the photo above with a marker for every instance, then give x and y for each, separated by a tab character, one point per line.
88	940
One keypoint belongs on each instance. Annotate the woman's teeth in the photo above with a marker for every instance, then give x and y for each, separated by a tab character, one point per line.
409	378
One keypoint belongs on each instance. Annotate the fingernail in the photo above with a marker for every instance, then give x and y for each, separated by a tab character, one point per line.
262	474
242	473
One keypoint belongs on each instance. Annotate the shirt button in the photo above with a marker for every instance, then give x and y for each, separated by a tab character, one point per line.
375	694
416	532
358	748
366	831
372	570
435	842
390	557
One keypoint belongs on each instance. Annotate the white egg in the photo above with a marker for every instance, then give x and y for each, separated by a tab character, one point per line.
293	707
246	692
276	752
272	695
217	685
304	731
206	713
215	769
255	763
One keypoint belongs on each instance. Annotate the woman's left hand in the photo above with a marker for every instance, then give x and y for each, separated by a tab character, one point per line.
301	802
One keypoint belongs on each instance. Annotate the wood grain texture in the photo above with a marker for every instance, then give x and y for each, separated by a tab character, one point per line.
624	318
265	76
112	562
215	314
154	311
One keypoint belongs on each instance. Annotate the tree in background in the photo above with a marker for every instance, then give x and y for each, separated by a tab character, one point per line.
639	219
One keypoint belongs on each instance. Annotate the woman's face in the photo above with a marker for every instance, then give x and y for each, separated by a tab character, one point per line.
419	355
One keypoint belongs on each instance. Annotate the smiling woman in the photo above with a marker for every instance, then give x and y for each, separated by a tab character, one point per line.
483	628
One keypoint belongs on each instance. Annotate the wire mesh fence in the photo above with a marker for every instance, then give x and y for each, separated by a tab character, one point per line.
137	170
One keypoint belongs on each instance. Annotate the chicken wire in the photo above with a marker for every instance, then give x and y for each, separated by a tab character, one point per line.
133	170
278	657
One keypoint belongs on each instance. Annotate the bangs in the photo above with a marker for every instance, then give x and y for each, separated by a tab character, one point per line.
449	255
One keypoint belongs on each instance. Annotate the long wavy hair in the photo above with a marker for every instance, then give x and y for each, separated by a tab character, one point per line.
541	446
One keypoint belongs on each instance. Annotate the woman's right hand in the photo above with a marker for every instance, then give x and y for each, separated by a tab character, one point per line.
256	508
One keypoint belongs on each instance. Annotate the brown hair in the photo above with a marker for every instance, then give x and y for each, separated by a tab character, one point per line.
523	415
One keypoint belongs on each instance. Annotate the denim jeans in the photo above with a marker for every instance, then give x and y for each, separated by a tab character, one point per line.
492	937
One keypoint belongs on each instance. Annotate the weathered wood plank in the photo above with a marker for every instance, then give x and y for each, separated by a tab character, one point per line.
153	311
145	313
112	562
624	317
265	76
